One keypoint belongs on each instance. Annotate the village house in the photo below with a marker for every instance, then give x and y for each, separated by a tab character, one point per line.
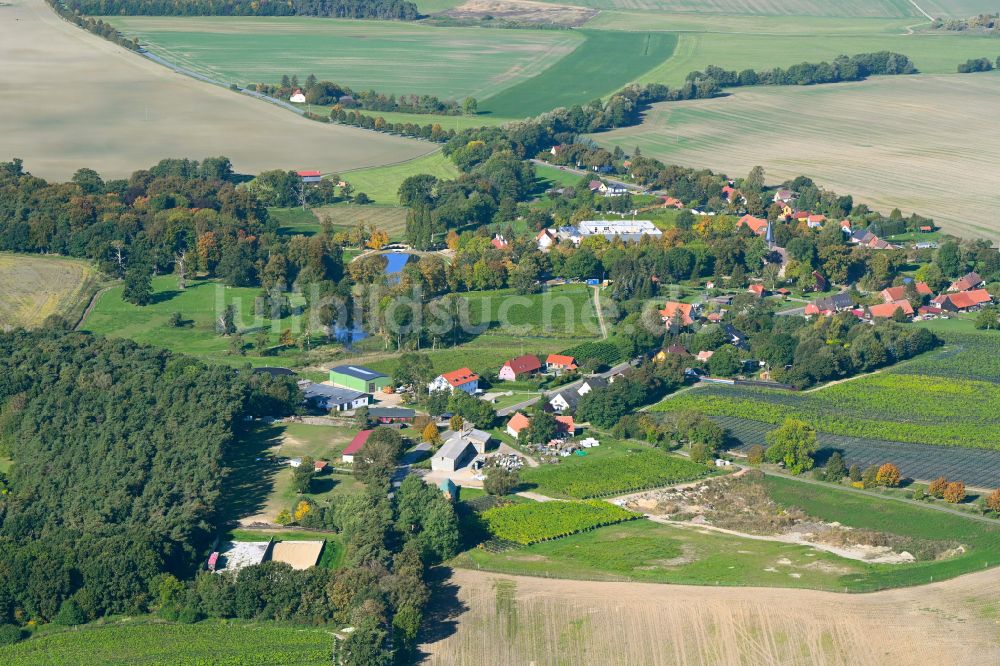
591	384
499	242
784	196
671	202
673	311
545	239
355	445
828	305
888	310
519	422
755	224
297	97
898	293
565	400
462	379
560	363
757	290
704	355
519	368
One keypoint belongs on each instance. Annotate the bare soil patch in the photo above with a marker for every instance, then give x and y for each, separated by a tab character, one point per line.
519	620
522	11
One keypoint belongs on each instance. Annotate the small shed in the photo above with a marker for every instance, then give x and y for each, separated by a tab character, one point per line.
449	490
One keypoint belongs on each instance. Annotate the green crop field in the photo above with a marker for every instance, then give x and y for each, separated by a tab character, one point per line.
888	406
158	643
391	57
534	522
849	137
199	305
611	469
586	74
32	287
381	184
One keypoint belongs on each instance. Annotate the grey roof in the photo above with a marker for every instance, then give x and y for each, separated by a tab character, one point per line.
454	448
595	382
570	396
358	372
330	393
841	301
391	412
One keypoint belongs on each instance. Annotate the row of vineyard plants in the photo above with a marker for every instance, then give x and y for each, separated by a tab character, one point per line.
526	524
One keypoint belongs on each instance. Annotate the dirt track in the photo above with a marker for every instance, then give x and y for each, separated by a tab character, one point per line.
519	620
75	100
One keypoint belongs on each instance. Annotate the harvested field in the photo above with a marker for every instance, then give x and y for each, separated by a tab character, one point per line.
391	219
81	101
880	140
32	287
523	11
834	8
501	619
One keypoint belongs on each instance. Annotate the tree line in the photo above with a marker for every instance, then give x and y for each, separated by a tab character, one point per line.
325	93
402	10
96	26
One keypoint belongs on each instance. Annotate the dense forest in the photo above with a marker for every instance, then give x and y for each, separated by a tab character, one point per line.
356	9
118	462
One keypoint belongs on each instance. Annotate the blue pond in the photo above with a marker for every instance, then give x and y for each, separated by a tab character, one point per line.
395	261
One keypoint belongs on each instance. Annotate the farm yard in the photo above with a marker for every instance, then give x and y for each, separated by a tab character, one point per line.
136	112
153	642
35	287
390	57
512	619
848	138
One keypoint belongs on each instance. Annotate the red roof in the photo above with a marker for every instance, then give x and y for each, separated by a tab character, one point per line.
526	363
309	174
673	307
499	242
358	441
518	422
460	376
566	424
899	293
672	202
966	282
757	225
561	359
756	289
886	310
968	299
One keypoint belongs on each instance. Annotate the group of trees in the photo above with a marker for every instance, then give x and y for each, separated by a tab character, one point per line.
119	454
843	68
977	65
646	384
402	10
326	93
96	26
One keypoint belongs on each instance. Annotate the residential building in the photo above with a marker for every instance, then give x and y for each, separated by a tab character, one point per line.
898	293
332	398
565	400
674	310
755	224
962	300
358	378
966	282
591	384
297	97
520	367
517	423
888	310
462	379
559	363
736	337
629	231
545	239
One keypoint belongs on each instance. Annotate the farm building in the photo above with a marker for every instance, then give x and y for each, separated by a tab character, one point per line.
332	398
967	282
310	177
355	446
299	555
297	97
520	367
457	452
629	231
559	363
391	414
892	294
887	310
962	300
237	555
358	378
462	379
830	304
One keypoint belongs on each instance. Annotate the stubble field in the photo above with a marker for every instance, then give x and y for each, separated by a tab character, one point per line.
75	100
518	620
34	287
921	143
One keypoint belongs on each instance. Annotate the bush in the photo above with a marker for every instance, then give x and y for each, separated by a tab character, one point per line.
10	633
69	614
954	492
888	475
755	455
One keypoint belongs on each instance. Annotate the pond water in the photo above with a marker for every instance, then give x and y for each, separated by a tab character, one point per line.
395	261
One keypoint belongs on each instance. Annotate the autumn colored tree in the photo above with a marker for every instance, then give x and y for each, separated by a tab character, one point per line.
887	475
432	434
755	455
993	501
378	239
456	422
302	509
954	492
937	486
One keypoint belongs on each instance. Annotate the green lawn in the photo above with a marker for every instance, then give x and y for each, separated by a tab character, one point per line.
147	641
391	219
645	551
381	184
562	311
548	177
392	57
295	221
199	305
588	73
5	464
